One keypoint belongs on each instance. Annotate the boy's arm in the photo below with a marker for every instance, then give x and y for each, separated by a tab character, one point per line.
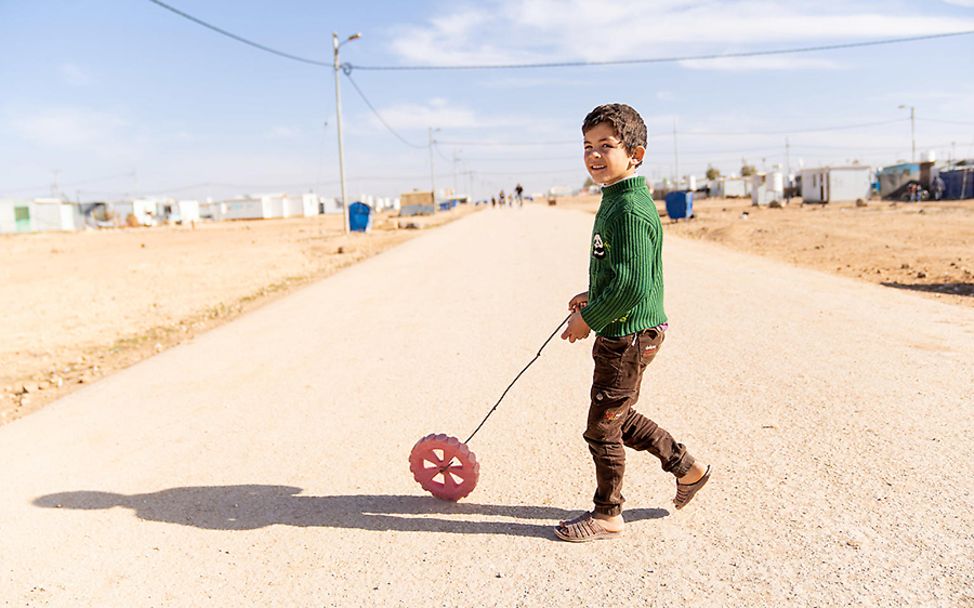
631	257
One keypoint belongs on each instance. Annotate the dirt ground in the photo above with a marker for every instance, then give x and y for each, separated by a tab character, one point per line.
81	305
926	247
77	306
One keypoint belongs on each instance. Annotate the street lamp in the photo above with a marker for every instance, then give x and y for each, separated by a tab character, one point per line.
338	115
913	132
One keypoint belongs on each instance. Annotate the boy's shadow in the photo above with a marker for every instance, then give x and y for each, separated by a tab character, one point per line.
247	507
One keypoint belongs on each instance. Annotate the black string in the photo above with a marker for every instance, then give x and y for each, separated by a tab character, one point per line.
515	379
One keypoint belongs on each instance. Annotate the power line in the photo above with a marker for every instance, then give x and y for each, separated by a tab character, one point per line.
666	134
793	131
510	143
570	64
440	153
949	122
348	75
73	185
239	38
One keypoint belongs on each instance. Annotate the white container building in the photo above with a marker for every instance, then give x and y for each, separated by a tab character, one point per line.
14	216
836	184
733	186
52	214
767	188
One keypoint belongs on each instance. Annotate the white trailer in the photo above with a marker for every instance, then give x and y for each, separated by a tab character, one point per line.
836	184
767	188
51	214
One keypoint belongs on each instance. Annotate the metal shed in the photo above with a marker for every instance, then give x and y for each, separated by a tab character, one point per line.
958	183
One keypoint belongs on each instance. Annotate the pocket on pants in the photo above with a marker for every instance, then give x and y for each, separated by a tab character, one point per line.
609	409
610	356
649	343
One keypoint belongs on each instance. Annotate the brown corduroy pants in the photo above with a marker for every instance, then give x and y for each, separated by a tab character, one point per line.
614	425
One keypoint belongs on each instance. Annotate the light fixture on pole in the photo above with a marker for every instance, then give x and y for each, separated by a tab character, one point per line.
338	116
913	131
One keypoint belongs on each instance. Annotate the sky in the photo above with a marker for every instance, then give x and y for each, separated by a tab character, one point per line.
108	99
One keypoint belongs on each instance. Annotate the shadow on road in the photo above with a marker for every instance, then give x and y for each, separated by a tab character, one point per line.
248	507
957	289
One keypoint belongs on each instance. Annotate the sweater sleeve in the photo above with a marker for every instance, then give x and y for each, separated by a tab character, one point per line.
630	257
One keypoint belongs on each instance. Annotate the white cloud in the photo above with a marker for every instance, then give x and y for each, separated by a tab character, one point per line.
73	74
512	31
70	128
282	132
527	82
437	113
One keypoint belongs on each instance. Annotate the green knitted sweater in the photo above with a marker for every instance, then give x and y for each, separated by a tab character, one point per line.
625	285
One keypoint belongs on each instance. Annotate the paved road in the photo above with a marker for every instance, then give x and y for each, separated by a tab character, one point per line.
265	462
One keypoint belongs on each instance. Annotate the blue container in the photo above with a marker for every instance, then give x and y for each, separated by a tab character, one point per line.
679	205
958	183
359	217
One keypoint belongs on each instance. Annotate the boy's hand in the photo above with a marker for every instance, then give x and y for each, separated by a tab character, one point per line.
577	328
578	302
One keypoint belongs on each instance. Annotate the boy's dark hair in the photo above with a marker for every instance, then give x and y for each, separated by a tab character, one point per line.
625	121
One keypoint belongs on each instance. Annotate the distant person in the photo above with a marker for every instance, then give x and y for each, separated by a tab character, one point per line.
937	187
502	198
519	195
624	306
493	201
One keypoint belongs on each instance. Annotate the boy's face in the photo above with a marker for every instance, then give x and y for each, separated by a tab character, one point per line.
606	157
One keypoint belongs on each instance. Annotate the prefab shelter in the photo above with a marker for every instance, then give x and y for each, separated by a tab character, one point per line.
187	211
733	187
247	208
835	184
14	216
767	188
894	177
329	204
52	214
309	204
142	211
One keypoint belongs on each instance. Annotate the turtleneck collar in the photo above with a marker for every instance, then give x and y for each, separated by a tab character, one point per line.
629	184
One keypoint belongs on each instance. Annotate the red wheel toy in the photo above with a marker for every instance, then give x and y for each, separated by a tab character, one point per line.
445	468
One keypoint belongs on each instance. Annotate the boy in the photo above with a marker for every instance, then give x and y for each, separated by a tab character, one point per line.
624	306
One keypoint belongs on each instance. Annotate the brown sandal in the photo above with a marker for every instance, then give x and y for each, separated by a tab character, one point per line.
686	492
584	528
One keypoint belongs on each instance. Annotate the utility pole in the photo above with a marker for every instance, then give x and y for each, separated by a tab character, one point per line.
787	156
432	172
338	116
913	131
787	171
456	159
54	185
676	158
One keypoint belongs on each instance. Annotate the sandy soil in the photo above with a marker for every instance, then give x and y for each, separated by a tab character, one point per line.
77	306
265	462
928	248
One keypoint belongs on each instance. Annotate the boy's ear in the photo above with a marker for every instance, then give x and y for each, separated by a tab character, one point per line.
638	153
